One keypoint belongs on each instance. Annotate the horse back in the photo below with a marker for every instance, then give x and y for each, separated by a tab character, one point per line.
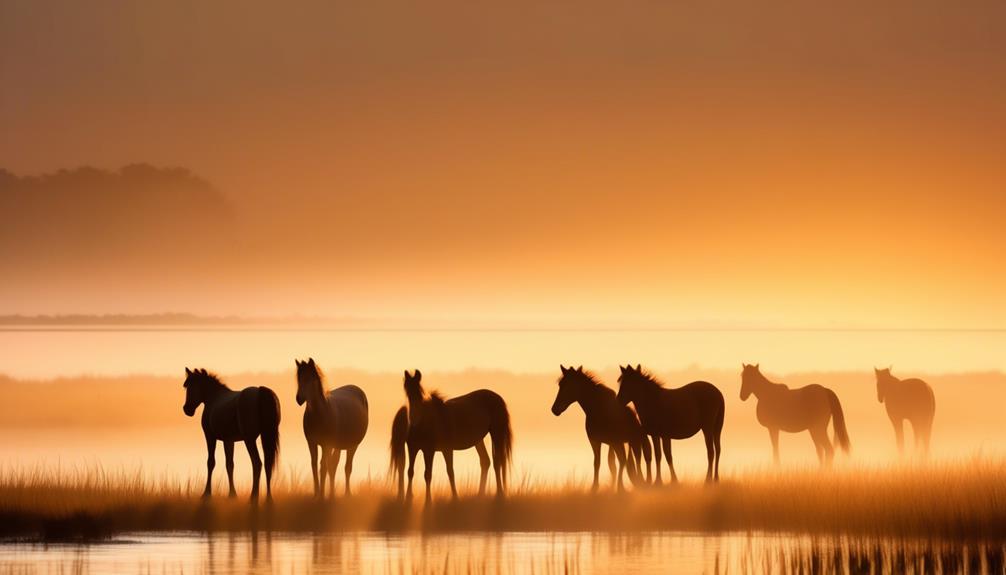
911	398
469	417
351	412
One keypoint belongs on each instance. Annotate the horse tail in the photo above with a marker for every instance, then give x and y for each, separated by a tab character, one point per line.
838	418
269	417
399	434
502	439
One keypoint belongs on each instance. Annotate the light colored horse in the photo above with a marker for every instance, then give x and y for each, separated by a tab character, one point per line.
808	408
432	423
230	416
607	422
334	421
910	399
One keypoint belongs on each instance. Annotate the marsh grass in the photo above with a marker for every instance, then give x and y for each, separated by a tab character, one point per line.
966	499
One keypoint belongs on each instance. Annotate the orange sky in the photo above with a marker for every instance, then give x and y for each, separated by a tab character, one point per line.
646	163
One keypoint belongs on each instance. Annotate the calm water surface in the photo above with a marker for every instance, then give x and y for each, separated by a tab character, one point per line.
503	553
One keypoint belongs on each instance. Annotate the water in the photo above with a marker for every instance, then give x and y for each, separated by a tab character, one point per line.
680	553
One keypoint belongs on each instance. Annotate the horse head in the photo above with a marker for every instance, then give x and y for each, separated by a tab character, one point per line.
629	381
571	386
750	377
194	390
884	379
308	380
413	385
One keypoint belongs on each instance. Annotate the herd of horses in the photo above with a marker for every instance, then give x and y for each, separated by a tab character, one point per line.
336	420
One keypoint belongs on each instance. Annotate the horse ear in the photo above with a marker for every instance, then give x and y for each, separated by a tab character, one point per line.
418	375
639	368
188	372
310	361
297	362
407	375
621	368
580	369
562	368
757	366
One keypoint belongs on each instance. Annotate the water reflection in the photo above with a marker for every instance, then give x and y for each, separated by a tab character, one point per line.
506	553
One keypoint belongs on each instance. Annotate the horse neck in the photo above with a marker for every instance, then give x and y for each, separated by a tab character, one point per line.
316	397
591	398
647	390
416	404
214	393
763	386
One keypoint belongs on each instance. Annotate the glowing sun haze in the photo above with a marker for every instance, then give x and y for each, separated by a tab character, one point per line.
769	164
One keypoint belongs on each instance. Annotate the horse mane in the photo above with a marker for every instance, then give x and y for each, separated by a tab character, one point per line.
648	378
592	379
437	398
211	378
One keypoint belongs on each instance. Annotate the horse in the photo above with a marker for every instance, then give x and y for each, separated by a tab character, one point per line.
667	414
910	399
431	423
607	422
230	416
333	421
807	408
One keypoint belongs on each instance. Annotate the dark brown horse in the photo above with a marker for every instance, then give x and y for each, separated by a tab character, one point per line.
607	421
333	421
807	408
432	423
680	413
907	399
230	416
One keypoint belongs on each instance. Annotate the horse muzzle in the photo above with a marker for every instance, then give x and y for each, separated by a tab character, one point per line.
300	400
189	410
556	410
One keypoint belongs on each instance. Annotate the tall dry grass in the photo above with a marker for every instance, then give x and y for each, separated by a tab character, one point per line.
966	499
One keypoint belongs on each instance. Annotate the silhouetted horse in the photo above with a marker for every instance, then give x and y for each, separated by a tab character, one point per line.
808	408
230	416
607	421
333	421
432	424
910	399
680	413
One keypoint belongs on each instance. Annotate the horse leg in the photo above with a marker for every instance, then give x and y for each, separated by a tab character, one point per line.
670	458
825	452
256	467
656	457
899	433
619	449
334	463
449	462
349	466
484	464
611	463
413	451
498	470
428	455
313	448
323	472
229	462
710	454
716	444
773	434
596	447
211	462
